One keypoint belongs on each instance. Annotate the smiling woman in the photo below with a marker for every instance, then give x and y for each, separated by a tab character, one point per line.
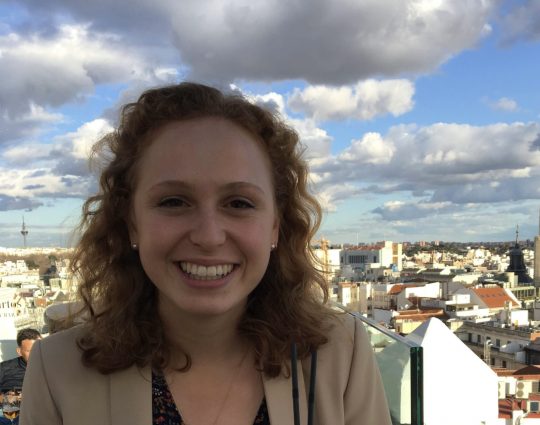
203	200
204	302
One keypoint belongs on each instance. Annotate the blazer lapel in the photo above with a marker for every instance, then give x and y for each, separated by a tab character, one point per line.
278	394
131	396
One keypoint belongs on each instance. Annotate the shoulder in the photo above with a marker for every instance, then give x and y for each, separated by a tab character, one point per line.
347	343
56	363
12	366
8	364
59	351
67	335
345	332
63	340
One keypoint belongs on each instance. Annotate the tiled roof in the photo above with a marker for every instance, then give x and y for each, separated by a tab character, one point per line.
508	405
528	370
502	371
494	297
366	248
396	289
532	415
418	315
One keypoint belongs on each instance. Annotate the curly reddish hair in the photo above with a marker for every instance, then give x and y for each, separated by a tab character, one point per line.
123	326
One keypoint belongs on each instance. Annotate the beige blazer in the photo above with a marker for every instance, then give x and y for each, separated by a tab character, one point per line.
58	389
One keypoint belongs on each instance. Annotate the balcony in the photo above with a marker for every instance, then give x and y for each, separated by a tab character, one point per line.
401	366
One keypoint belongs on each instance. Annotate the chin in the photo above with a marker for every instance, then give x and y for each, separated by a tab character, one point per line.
211	309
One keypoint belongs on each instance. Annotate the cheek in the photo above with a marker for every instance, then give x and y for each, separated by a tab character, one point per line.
257	244
153	231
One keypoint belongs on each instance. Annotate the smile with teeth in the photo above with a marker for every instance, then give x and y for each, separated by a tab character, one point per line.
196	271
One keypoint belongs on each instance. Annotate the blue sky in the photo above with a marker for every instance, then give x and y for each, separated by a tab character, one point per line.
421	119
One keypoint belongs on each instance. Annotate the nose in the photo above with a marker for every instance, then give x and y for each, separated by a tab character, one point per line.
208	230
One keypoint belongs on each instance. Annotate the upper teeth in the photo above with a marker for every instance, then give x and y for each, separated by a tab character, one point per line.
206	272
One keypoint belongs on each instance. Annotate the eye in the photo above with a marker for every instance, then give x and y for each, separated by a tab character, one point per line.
172	202
241	204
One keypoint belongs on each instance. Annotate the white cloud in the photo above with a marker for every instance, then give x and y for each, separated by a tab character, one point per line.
273	101
55	170
80	142
365	100
22	183
321	41
370	149
505	104
24	153
332	195
441	163
49	71
70	63
28	123
315	140
399	210
324	41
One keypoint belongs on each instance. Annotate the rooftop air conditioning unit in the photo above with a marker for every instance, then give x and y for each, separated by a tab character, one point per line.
519	394
502	390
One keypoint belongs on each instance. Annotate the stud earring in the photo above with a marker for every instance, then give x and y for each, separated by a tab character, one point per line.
134	247
273	246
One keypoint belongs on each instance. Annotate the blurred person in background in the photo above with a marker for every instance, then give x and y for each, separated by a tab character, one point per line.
12	371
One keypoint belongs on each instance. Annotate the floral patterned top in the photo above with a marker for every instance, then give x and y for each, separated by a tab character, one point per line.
165	412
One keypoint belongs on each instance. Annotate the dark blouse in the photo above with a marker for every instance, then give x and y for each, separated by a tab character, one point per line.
165	412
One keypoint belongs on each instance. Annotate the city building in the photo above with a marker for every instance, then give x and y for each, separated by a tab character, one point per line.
385	254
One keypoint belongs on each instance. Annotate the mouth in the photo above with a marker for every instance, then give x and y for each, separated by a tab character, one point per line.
200	272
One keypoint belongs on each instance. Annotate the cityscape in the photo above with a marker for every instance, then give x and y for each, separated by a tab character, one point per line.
473	308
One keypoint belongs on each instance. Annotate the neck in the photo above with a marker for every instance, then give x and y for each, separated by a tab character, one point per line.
206	338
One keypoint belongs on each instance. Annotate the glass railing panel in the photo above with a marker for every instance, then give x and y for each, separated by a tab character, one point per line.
400	363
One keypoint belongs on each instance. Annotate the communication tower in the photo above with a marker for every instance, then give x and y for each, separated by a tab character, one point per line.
24	232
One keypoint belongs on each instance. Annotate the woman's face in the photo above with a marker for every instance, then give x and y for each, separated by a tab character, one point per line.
204	215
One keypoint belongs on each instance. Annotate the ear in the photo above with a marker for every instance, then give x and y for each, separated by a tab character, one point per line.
19	351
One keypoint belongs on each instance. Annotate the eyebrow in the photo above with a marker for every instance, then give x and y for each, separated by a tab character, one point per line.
179	184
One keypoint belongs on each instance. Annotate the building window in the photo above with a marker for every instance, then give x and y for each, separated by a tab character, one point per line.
534	406
357	259
497	343
504	364
479	339
492	361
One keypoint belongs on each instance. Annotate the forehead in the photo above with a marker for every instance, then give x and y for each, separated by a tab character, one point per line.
204	149
27	343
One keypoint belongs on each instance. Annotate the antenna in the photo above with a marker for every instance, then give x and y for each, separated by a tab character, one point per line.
24	232
517	233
